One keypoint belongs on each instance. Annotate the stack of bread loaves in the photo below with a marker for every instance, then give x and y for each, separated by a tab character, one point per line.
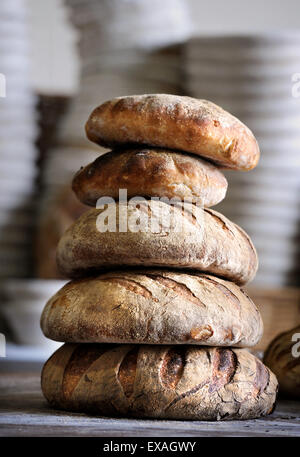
165	319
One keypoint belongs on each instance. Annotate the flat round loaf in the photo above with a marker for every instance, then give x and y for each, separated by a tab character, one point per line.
150	172
286	365
163	382
197	238
175	122
152	307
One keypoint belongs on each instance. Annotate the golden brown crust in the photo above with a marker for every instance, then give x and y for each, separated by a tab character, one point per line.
163	382
280	359
152	307
196	239
150	172
175	122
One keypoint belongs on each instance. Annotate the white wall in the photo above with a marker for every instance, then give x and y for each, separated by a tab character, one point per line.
55	62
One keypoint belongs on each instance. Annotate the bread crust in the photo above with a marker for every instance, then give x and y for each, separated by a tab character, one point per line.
163	382
175	122
200	239
150	172
153	307
279	358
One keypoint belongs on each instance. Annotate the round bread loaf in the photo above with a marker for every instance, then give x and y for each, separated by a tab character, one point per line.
150	172
163	382
283	357
152	307
168	236
175	122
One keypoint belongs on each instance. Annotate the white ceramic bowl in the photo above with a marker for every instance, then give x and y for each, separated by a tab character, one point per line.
22	305
25	323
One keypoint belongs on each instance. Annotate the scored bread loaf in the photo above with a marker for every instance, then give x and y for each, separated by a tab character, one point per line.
194	238
153	307
279	357
175	122
163	382
150	172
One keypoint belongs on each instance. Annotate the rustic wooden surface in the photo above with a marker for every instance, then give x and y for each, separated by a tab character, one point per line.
24	412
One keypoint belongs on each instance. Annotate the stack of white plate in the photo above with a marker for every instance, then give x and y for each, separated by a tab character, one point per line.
124	24
252	77
126	47
17	135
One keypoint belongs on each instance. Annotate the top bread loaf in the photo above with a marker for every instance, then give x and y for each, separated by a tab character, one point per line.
175	122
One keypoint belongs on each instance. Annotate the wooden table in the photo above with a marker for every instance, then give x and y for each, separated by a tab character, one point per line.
24	412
